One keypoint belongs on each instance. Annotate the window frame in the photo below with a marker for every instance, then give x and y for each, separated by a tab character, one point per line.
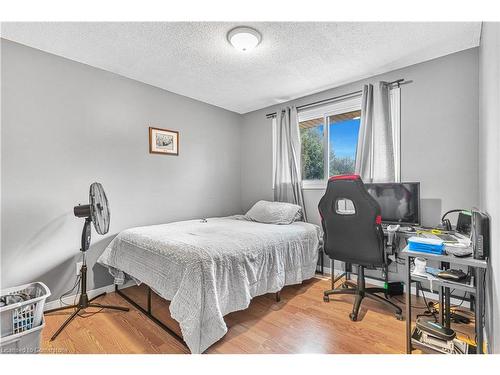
325	111
332	109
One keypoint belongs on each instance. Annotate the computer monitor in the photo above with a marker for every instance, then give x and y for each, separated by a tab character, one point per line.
400	202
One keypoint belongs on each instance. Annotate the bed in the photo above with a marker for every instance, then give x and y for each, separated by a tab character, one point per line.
211	267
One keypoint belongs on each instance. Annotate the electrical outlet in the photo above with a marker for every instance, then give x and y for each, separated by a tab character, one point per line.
78	267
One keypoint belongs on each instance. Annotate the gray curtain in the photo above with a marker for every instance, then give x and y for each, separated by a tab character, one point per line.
375	153
363	166
383	152
287	176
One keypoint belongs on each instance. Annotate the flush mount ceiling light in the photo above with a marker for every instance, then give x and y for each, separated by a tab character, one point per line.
244	38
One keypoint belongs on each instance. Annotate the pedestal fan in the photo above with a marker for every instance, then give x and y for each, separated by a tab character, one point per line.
97	212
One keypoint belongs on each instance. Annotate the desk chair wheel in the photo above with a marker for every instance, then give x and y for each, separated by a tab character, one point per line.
353	317
326	299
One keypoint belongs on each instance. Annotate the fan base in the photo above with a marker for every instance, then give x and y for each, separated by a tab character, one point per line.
83	303
81	306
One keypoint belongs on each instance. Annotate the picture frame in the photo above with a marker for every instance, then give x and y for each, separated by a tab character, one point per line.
163	141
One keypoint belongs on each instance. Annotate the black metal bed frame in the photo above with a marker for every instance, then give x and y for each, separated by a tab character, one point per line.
149	313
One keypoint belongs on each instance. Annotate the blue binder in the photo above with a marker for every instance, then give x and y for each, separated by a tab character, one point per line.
426	245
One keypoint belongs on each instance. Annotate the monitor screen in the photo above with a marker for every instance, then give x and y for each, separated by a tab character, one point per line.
400	202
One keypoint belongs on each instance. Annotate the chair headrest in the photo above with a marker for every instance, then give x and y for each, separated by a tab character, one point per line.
345	177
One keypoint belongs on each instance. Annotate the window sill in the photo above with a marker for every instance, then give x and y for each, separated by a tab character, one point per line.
309	185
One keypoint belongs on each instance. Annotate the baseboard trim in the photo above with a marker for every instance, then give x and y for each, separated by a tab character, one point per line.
69	300
429	295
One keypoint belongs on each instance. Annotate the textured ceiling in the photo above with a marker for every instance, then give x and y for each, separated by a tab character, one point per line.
294	59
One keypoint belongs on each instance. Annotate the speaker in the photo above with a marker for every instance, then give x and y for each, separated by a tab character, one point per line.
480	234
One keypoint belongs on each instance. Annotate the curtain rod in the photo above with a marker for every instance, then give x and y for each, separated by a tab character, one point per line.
397	83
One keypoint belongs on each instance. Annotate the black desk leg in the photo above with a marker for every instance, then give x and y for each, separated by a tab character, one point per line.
441	305
447	305
408	306
444	300
472	302
479	309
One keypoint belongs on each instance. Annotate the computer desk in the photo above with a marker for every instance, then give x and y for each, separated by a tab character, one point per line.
477	288
404	234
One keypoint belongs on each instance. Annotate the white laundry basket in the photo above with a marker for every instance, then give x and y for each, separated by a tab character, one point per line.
22	322
27	342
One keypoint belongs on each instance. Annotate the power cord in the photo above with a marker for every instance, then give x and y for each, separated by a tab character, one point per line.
77	282
400	261
89	314
413	306
431	309
85	314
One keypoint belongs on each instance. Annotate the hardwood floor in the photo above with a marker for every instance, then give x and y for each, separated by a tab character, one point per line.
300	323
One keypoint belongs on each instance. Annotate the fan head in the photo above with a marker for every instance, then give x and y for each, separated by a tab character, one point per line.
99	208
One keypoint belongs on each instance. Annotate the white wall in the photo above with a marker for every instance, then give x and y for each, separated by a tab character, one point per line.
489	166
439	136
66	125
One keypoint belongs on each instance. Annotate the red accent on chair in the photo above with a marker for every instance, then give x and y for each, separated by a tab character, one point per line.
345	177
378	220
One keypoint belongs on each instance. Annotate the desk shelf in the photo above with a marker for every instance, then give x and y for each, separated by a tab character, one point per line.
465	261
466	287
417	344
476	288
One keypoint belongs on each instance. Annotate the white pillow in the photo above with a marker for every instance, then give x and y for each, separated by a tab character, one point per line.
274	212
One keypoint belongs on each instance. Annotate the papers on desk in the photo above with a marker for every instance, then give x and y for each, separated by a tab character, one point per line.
461	242
461	248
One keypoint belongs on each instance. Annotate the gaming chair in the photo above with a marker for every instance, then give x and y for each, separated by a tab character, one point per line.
352	233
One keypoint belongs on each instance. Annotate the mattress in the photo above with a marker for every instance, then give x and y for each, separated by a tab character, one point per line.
211	267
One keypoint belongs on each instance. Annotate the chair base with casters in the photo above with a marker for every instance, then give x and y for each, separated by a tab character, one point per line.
360	291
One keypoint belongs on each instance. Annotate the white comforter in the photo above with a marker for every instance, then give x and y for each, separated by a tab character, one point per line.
209	269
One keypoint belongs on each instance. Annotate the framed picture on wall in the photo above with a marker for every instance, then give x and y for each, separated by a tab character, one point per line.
163	141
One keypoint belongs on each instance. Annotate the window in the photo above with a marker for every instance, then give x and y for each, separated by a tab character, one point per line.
312	135
329	138
343	140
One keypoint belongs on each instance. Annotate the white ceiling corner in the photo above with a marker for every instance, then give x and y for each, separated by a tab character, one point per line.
294	58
